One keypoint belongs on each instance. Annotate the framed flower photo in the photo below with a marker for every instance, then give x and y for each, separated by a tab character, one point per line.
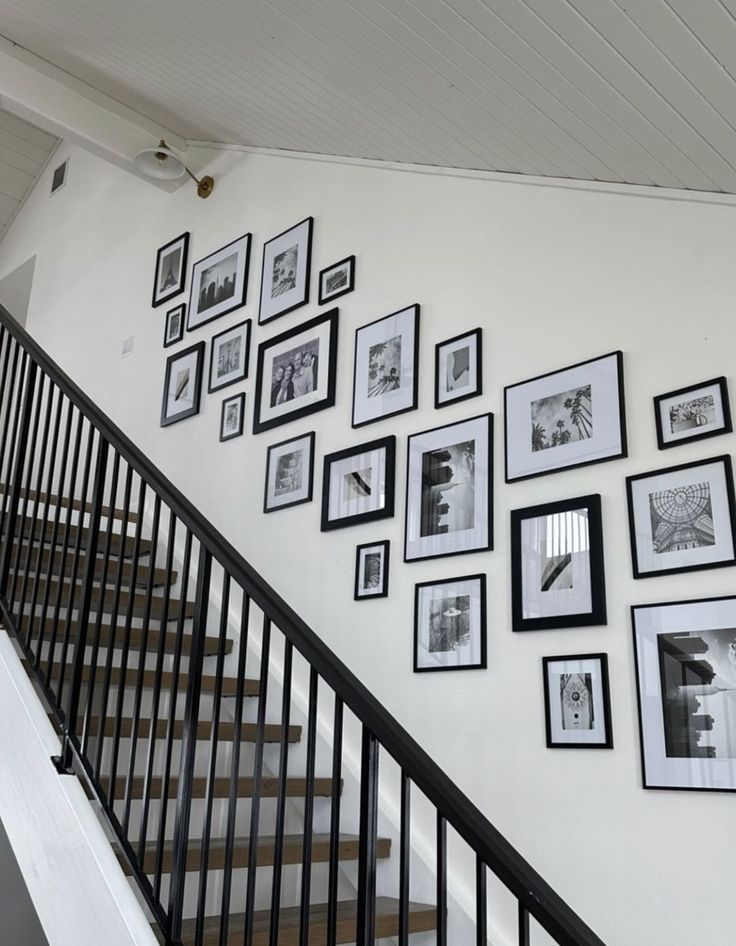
232	417
337	280
371	571
287	262
458	371
682	518
182	384
174	327
289	473
450	624
358	484
693	413
219	283
171	270
229	355
385	378
577	702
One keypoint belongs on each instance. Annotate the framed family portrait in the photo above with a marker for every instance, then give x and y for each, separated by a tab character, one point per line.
450	624
358	484
232	418
557	575
566	418
371	571
458	368
685	655
171	270
295	375
337	280
174	327
449	490
219	283
577	702
285	273
289	473
693	413
385	378
682	518
182	384
229	356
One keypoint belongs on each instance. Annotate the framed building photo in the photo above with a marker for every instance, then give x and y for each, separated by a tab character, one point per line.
577	702
219	283
386	367
686	685
557	576
358	484
458	372
450	624
171	270
702	410
371	570
682	518
449	490
174	327
289	473
566	418
337	280
285	274
182	384
232	417
229	356
295	375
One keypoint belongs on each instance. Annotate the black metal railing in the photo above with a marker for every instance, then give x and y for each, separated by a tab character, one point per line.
176	676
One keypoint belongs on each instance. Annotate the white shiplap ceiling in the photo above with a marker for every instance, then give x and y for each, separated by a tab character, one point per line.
24	151
635	91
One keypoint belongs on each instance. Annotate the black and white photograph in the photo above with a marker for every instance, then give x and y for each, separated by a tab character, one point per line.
686	679
174	326
182	384
371	570
449	490
386	367
229	355
567	418
219	283
682	518
577	702
458	371
358	484
289	473
557	571
692	413
450	624
285	271
171	270
296	372
232	417
337	280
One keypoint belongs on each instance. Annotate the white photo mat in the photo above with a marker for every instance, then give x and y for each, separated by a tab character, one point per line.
350	478
236	367
547	537
180	393
448	388
560	729
366	407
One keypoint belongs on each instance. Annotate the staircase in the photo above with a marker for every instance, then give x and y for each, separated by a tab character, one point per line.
208	722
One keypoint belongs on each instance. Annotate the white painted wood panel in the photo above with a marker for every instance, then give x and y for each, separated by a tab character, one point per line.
24	151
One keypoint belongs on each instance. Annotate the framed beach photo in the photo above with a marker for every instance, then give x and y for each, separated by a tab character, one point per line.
229	356
458	368
385	377
285	273
557	575
174	327
449	490
337	280
685	654
289	473
295	375
450	624
358	484
577	702
232	417
171	270
566	418
182	384
371	570
682	518
693	413
219	283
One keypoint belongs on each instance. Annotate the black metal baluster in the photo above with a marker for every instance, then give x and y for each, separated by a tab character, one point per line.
278	843
335	823
523	925
441	880
366	926
481	903
5	395
8	529
404	859
304	915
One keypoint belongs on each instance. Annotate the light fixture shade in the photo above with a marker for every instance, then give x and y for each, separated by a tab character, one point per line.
160	163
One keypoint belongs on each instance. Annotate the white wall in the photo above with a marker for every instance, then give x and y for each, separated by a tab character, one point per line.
554	276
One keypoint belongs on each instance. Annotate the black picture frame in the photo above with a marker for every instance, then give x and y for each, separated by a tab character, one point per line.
170	339
706	429
360	593
477	364
305	490
217	308
325	295
162	293
569	534
298	295
238	432
482	644
194	353
384	509
554	740
235	376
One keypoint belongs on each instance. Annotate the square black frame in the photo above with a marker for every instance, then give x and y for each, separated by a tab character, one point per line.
182	308
483	665
246	357
478	333
310	488
384	443
681	392
179	287
322	297
305	296
606	694
237	302
199	349
241	426
383	593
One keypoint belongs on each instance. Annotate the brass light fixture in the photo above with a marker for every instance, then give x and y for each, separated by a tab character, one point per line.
162	164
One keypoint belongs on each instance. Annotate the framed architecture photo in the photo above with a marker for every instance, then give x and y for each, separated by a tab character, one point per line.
174	328
449	490
557	575
458	368
295	375
371	570
229	356
450	624
337	280
358	484
232	417
682	518
702	410
386	371
685	655
219	283
285	273
566	418
289	473
182	384
171	270
577	702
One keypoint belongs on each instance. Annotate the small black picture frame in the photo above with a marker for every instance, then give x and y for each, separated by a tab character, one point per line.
577	702
358	484
371	570
453	638
174	325
182	384
706	412
232	407
289	473
337	280
234	365
285	272
171	270
458	368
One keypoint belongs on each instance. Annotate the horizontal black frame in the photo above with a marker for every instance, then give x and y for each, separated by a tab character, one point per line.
606	693
305	299
246	357
483	665
241	426
179	288
478	332
182	307
237	302
383	593
297	502
324	299
384	443
194	409
682	392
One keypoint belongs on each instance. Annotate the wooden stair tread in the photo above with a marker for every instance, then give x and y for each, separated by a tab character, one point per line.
53	562
108	635
229	684
225	731
107	600
119	544
295	787
65	503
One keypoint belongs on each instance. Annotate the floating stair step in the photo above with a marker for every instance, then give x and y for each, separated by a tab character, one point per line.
126	600
116	637
295	787
229	684
65	503
53	563
225	731
119	544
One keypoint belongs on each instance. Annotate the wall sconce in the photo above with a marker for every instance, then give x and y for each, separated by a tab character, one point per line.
162	164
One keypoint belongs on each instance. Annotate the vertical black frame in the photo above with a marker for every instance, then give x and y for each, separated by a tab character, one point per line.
478	334
160	253
483	665
194	409
241	424
605	693
385	544
311	436
182	309
305	294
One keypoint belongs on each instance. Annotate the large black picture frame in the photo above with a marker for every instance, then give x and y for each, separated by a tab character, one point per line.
197	317
195	355
299	235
